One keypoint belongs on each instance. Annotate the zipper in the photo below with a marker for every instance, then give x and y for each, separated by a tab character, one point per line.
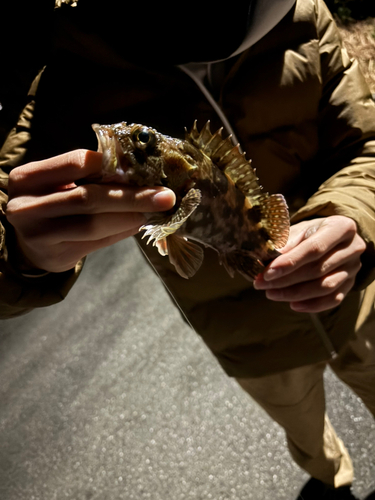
197	72
321	331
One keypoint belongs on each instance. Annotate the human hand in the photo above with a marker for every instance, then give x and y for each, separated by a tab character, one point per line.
318	266
57	222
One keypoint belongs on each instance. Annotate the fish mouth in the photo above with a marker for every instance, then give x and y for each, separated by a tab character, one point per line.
119	164
109	147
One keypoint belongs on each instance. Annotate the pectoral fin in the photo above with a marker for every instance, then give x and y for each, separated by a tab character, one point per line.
160	226
187	257
162	246
243	263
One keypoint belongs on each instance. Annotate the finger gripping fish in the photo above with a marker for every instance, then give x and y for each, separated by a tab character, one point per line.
219	201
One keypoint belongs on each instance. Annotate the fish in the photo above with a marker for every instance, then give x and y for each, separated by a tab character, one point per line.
220	203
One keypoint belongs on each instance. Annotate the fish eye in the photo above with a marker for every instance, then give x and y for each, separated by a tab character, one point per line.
143	137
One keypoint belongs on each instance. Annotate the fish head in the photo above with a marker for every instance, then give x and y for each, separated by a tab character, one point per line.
139	155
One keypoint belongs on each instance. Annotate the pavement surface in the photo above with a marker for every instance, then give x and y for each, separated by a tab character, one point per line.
110	395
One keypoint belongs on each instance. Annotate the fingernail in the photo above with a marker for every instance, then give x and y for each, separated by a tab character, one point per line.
271	274
165	197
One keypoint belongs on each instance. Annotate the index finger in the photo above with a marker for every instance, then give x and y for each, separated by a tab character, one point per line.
46	175
310	249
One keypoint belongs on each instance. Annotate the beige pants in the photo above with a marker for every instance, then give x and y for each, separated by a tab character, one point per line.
295	399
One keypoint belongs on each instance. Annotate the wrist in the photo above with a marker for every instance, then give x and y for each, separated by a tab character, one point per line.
20	262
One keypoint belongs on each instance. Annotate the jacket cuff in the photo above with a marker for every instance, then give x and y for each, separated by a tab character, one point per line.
20	294
23	290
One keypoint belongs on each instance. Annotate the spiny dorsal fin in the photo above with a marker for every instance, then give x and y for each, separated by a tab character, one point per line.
229	159
226	157
207	142
193	135
275	218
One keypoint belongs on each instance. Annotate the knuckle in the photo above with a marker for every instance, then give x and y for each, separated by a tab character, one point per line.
355	268
11	209
347	224
323	268
20	172
135	201
14	209
17	176
317	247
319	268
84	198
14	175
329	283
77	158
350	226
361	245
291	262
338	298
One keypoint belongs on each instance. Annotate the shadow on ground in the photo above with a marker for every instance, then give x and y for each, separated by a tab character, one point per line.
110	395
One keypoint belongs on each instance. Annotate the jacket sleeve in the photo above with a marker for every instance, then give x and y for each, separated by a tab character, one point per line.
347	144
20	293
29	24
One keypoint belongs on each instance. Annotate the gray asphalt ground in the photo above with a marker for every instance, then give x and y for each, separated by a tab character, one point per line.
110	395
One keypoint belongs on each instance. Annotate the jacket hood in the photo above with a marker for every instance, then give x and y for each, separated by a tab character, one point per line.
265	15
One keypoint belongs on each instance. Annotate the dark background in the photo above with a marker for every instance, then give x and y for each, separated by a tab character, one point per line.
350	10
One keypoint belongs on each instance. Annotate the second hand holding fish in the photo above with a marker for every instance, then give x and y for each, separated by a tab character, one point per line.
318	266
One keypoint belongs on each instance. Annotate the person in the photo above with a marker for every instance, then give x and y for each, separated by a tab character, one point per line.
277	76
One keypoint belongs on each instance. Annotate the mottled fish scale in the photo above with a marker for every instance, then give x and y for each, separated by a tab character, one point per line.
219	204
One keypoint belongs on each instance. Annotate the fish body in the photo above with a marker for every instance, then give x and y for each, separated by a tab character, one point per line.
219	201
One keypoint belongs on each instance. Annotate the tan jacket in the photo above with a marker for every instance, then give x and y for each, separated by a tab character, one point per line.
303	113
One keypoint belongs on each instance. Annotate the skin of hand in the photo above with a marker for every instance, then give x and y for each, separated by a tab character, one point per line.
318	266
57	222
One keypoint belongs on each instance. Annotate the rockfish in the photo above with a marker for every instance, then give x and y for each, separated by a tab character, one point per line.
219	201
